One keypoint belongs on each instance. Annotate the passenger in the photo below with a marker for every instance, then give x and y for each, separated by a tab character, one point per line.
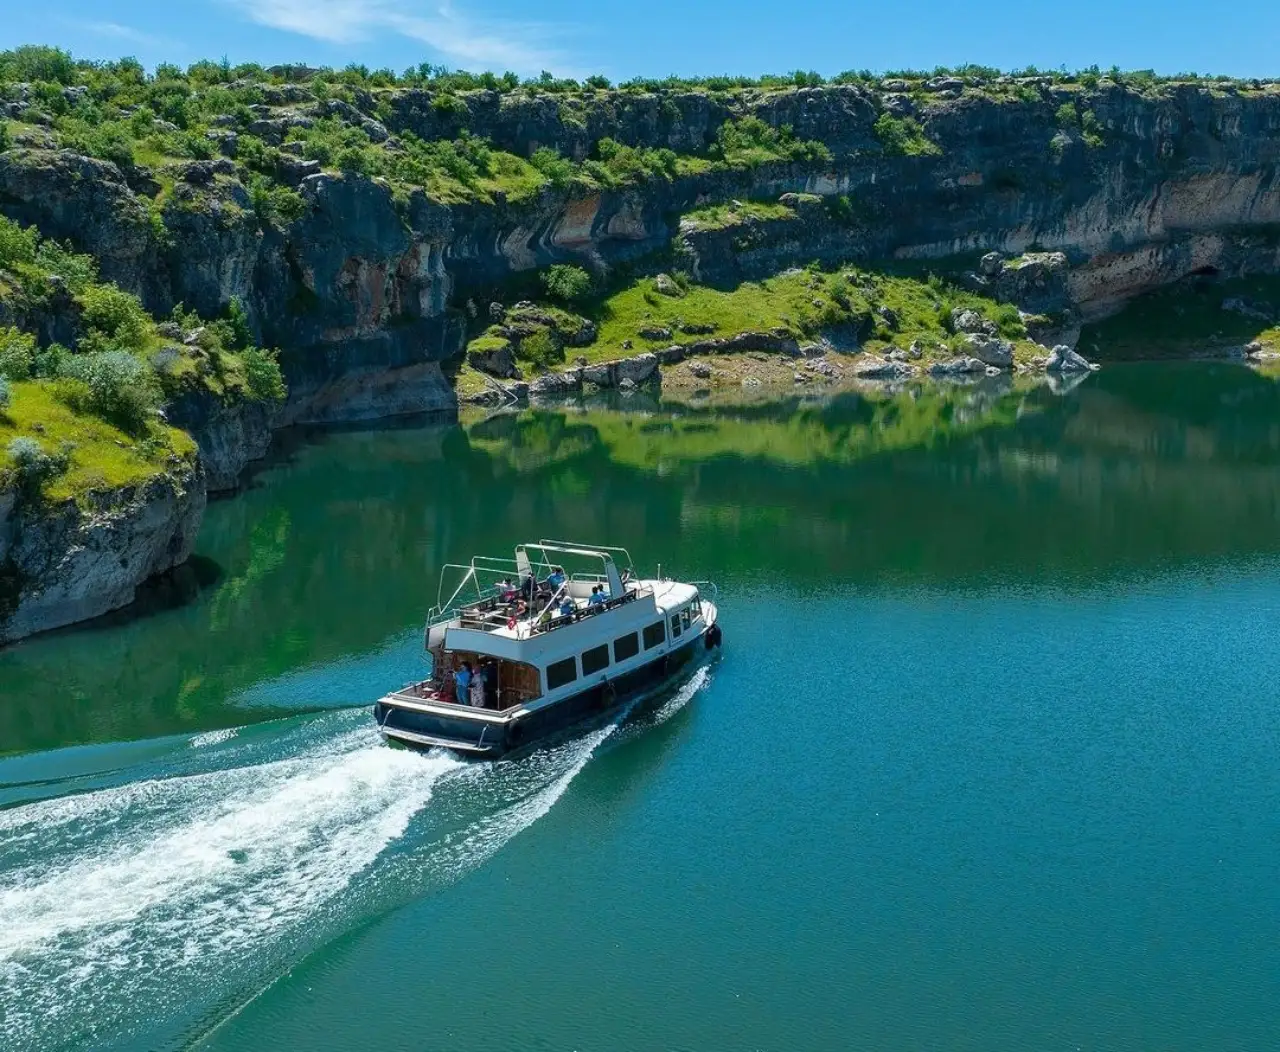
477	691
506	590
556	580
462	683
489	674
597	596
566	606
527	586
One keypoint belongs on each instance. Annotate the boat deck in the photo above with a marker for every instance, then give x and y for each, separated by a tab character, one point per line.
497	614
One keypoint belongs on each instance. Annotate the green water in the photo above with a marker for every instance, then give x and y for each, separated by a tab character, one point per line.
990	759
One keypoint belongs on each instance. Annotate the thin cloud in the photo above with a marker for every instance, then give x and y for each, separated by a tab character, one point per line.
116	31
505	45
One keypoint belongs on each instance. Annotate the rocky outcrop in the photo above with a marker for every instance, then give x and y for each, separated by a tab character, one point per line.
231	434
66	564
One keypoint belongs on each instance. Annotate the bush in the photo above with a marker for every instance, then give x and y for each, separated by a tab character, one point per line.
32	465
6	395
902	136
262	375
558	170
541	348
17	354
1067	117
78	271
113	385
114	317
566	282
17	244
33	62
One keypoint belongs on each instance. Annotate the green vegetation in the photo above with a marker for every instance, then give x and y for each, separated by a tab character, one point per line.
566	282
721	217
119	370
877	308
1197	315
1084	123
750	142
84	453
903	136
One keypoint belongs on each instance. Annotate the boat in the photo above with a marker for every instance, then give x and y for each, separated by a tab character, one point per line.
559	635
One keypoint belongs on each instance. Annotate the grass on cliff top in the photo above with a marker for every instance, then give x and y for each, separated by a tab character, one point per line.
100	456
1188	318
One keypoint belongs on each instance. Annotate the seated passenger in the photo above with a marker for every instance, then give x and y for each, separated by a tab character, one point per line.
556	579
597	596
566	606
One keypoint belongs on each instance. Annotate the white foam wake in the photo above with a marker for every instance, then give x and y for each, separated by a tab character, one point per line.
181	873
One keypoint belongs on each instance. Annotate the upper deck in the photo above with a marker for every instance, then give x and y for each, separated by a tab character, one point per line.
534	593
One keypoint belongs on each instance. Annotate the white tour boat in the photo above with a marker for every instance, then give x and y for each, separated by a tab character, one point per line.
545	648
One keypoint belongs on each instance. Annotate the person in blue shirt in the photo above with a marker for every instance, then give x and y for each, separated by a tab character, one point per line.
462	683
597	596
556	578
566	606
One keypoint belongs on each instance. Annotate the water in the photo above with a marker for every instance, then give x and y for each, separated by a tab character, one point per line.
989	760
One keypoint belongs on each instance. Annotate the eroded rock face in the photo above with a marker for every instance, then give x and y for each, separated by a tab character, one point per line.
65	564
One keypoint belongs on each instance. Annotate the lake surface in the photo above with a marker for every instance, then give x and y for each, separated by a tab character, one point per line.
990	759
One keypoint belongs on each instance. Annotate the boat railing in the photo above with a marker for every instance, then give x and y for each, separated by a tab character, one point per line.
702	586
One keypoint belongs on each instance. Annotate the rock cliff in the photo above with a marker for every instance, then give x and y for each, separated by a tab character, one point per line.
368	285
69	563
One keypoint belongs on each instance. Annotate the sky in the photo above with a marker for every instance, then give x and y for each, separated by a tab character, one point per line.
655	38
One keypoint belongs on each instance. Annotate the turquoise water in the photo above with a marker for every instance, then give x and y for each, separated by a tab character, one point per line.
989	759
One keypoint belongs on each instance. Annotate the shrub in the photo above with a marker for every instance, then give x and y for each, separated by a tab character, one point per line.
902	136
17	244
1091	130
558	170
78	271
113	385
115	316
17	354
1067	117
34	62
6	395
32	465
566	282
541	348
262	375
750	142
274	203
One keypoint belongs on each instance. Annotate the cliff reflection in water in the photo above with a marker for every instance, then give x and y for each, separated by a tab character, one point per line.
333	553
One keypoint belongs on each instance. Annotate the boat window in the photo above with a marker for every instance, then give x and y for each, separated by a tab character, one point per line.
626	647
595	659
697	609
675	625
655	635
561	672
684	616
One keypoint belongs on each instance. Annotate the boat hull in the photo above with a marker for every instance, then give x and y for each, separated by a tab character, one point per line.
484	737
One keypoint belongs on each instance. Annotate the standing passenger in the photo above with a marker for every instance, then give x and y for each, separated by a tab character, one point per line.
477	690
462	683
489	673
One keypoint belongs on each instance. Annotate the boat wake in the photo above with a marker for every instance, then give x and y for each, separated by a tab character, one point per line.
145	911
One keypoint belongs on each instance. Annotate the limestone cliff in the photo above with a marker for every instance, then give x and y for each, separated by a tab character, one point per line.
369	286
69	563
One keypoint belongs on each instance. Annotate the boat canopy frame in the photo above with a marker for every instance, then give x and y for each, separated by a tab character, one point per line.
522	565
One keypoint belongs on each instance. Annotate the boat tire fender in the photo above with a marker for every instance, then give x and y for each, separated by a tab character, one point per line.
713	636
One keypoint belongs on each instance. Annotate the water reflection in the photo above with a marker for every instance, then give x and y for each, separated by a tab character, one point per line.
332	553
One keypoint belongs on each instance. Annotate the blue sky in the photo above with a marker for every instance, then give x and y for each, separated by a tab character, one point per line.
657	37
